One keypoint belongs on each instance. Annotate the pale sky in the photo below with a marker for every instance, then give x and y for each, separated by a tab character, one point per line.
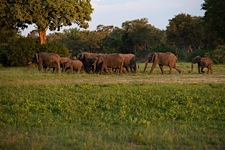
158	12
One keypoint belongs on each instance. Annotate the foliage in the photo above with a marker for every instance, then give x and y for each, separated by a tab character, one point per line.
49	111
164	48
200	52
17	52
215	18
185	30
139	35
113	41
46	14
217	55
6	35
54	47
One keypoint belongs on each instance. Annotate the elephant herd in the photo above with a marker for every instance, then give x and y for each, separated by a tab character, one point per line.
109	63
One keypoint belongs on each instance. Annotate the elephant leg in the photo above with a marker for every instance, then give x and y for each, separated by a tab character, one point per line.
58	69
102	69
161	68
153	67
110	70
199	69
178	70
210	69
207	70
45	68
71	69
121	68
78	70
202	70
128	69
170	72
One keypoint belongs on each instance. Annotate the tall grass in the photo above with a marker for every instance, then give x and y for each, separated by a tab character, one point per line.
62	111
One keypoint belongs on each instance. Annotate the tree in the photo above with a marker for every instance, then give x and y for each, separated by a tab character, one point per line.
215	18
139	35
46	14
184	31
18	52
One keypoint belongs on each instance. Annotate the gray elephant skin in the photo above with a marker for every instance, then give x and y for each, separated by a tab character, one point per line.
203	62
130	63
109	62
47	60
88	59
73	65
162	59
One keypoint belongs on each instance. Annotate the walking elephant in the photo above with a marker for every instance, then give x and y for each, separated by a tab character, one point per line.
47	60
76	65
87	59
129	62
109	62
203	62
162	59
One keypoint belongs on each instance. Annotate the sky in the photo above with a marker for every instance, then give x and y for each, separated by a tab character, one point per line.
158	12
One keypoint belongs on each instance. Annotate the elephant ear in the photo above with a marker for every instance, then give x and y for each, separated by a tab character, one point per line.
196	59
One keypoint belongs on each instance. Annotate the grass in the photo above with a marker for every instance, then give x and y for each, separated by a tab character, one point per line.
90	111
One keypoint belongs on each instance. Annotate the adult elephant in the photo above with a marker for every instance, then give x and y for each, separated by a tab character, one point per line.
162	59
76	65
87	59
203	62
47	60
109	62
129	62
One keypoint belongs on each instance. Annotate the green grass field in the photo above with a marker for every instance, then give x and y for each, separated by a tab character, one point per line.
91	111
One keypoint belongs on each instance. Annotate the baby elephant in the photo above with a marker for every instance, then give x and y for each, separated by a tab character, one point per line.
203	62
76	65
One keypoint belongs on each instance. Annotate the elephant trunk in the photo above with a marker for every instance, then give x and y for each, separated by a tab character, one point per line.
94	66
36	55
146	64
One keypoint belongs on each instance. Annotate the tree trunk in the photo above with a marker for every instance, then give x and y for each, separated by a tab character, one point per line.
42	35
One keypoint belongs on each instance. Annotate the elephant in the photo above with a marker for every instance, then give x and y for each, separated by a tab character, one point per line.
109	62
88	59
129	62
162	59
76	65
47	60
64	61
203	62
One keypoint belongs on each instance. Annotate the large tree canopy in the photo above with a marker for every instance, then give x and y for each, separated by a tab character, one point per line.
45	14
215	18
185	30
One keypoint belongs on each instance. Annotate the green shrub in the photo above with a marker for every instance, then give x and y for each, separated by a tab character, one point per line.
164	48
200	52
55	47
17	52
217	55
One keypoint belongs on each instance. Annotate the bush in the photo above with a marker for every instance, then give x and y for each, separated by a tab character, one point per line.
200	52
164	48
17	52
217	55
55	47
